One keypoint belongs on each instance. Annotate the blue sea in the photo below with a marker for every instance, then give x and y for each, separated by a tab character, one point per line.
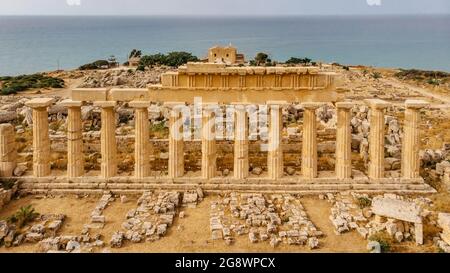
31	43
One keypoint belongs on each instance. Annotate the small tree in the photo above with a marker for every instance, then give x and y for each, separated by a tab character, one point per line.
261	58
176	58
303	61
135	54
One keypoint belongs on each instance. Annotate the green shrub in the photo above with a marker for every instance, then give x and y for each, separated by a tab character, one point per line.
376	75
23	216
12	85
303	61
7	184
95	65
433	81
173	59
176	59
364	202
383	239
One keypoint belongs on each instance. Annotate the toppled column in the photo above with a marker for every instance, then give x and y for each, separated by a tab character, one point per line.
176	141
241	164
75	157
309	142
376	137
411	139
142	139
275	152
209	152
344	140
41	139
8	150
108	138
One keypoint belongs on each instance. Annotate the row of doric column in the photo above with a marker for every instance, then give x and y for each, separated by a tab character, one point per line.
410	151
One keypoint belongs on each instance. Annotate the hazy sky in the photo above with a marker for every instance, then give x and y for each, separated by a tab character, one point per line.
226	7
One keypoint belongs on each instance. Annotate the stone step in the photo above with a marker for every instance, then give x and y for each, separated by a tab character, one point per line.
139	187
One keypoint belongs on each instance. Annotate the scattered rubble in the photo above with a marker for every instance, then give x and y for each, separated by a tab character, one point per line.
260	217
153	216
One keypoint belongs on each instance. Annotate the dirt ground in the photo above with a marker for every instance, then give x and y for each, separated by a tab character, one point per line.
191	233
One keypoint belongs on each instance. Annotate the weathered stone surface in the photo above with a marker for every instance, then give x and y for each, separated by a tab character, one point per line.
34	237
313	242
20	170
4	229
398	209
73	246
117	239
444	221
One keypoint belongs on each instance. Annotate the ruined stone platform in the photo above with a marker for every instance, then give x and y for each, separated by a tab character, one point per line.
293	184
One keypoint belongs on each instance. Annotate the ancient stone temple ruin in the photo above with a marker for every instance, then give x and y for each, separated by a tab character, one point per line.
222	84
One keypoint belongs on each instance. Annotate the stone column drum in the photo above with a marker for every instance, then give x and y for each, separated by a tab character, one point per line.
309	141
75	156
8	150
142	139
344	140
275	152
209	153
176	141
108	139
41	139
411	139
376	137
241	164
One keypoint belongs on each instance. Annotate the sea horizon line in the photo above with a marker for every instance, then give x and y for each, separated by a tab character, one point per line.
229	15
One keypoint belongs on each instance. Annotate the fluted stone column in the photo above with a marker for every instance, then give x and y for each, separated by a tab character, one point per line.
108	139
344	140
376	137
275	151
241	164
142	139
8	150
176	141
411	139
41	139
209	152
75	157
309	141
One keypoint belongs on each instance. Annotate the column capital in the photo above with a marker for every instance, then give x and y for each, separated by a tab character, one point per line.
345	105
416	104
311	105
377	103
40	102
105	104
71	103
139	104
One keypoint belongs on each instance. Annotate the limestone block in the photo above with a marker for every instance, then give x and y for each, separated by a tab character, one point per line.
397	209
442	166
444	223
129	94
8	151
89	94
